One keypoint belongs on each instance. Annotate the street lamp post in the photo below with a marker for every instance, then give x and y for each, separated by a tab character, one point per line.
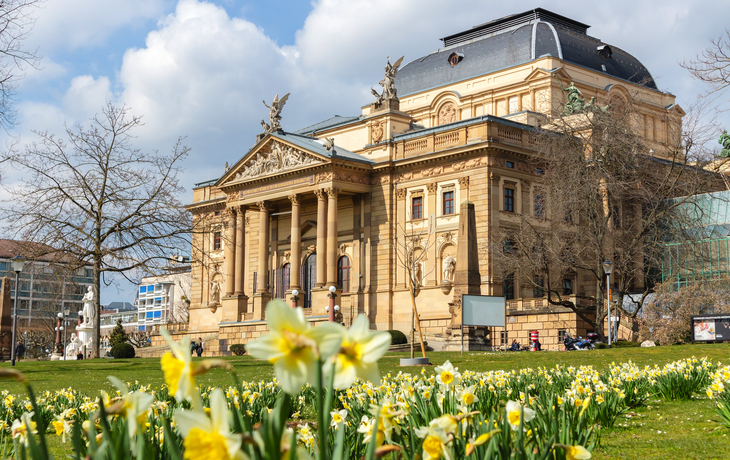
66	312
294	297
16	263
59	328
607	269
331	308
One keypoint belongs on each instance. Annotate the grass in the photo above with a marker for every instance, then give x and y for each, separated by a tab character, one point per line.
662	429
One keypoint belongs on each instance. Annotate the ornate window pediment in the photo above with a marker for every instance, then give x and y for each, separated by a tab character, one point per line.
274	158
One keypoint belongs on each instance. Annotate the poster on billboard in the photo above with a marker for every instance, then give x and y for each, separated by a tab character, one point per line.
711	328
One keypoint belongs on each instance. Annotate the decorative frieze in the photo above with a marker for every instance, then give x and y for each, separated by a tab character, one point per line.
280	158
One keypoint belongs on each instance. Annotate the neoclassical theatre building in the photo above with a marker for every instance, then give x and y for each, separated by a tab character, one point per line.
338	203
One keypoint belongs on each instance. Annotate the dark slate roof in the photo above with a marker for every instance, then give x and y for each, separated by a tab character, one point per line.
326	124
315	145
525	38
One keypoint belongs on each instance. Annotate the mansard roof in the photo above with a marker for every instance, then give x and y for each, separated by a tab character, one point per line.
515	40
329	123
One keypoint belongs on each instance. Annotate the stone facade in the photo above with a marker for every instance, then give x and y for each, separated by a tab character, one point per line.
295	213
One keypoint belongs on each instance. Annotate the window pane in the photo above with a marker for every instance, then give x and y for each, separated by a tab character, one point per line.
509	200
343	273
417	208
448	202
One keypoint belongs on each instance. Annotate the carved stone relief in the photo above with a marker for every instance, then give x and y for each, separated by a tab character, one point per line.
281	158
468	164
447	113
432	171
377	132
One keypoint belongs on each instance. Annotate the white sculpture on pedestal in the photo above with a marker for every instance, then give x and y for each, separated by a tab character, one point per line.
88	310
73	346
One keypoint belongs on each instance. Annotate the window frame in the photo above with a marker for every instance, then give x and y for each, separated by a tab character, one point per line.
447	203
217	241
509	198
344	272
570	288
414	206
508	286
538	287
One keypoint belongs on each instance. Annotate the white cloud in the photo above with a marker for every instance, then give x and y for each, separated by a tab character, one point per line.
86	96
71	24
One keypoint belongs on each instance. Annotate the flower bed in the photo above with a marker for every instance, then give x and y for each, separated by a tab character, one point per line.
348	411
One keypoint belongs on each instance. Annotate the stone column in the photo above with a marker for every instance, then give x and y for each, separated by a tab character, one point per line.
296	242
239	267
263	269
229	268
332	193
321	237
400	244
431	258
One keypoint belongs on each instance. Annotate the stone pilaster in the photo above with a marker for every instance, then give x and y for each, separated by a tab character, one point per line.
321	237
296	242
332	193
229	253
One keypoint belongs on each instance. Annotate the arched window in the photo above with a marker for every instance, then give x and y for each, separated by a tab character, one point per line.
343	273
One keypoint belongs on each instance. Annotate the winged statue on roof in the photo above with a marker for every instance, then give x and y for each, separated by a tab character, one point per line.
274	114
388	82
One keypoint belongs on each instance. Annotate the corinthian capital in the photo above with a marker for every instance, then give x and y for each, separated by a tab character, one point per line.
263	206
295	198
321	194
332	192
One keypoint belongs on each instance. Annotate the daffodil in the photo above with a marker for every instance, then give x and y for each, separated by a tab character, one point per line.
467	396
481	440
446	374
180	371
435	442
359	353
62	427
134	407
293	346
209	438
575	452
338	418
514	414
23	427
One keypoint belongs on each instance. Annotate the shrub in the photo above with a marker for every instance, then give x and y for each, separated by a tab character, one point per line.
397	337
601	346
118	335
238	349
122	351
625	344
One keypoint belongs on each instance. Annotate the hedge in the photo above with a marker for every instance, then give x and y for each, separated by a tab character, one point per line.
122	351
398	338
238	349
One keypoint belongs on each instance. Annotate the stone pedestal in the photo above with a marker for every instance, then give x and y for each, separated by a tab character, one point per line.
85	332
233	307
260	300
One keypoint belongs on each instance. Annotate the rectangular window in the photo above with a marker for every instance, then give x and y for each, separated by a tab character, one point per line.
158	314
510	164
567	286
561	335
216	241
510	247
142	289
509	200
537	289
417	208
4	266
448	203
89	272
539	207
509	286
503	338
149	314
141	329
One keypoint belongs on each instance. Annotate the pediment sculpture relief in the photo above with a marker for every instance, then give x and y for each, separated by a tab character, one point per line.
281	158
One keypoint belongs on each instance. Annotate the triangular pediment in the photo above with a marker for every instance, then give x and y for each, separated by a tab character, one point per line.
270	157
539	73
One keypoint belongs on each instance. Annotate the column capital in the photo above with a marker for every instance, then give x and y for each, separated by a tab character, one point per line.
295	198
321	194
264	206
400	193
464	181
241	209
332	192
432	187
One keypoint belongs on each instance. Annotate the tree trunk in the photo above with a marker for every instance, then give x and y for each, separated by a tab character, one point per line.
95	340
418	323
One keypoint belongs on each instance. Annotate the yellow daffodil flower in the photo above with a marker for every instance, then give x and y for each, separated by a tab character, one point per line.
209	438
293	346
23	427
446	374
514	414
359	353
575	452
481	440
467	396
62	428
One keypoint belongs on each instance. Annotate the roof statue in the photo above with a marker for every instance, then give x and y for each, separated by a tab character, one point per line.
388	83
724	140
576	103
329	144
274	114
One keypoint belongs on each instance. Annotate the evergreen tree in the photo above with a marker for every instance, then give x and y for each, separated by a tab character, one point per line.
118	334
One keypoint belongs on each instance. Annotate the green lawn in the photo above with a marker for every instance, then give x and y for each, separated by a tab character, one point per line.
662	429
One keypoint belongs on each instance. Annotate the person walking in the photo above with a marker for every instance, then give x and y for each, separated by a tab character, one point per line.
200	347
19	351
193	346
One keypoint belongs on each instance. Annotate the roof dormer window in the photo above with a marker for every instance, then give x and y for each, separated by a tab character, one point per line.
605	51
455	58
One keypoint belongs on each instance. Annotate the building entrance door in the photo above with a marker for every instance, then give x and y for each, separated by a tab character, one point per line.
309	280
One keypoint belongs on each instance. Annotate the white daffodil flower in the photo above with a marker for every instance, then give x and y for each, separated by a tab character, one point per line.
514	414
209	438
359	353
293	346
446	374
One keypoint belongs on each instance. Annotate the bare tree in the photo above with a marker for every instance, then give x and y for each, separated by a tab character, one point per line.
16	23
100	199
712	66
603	195
412	255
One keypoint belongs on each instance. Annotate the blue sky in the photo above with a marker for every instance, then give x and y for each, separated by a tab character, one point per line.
201	69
